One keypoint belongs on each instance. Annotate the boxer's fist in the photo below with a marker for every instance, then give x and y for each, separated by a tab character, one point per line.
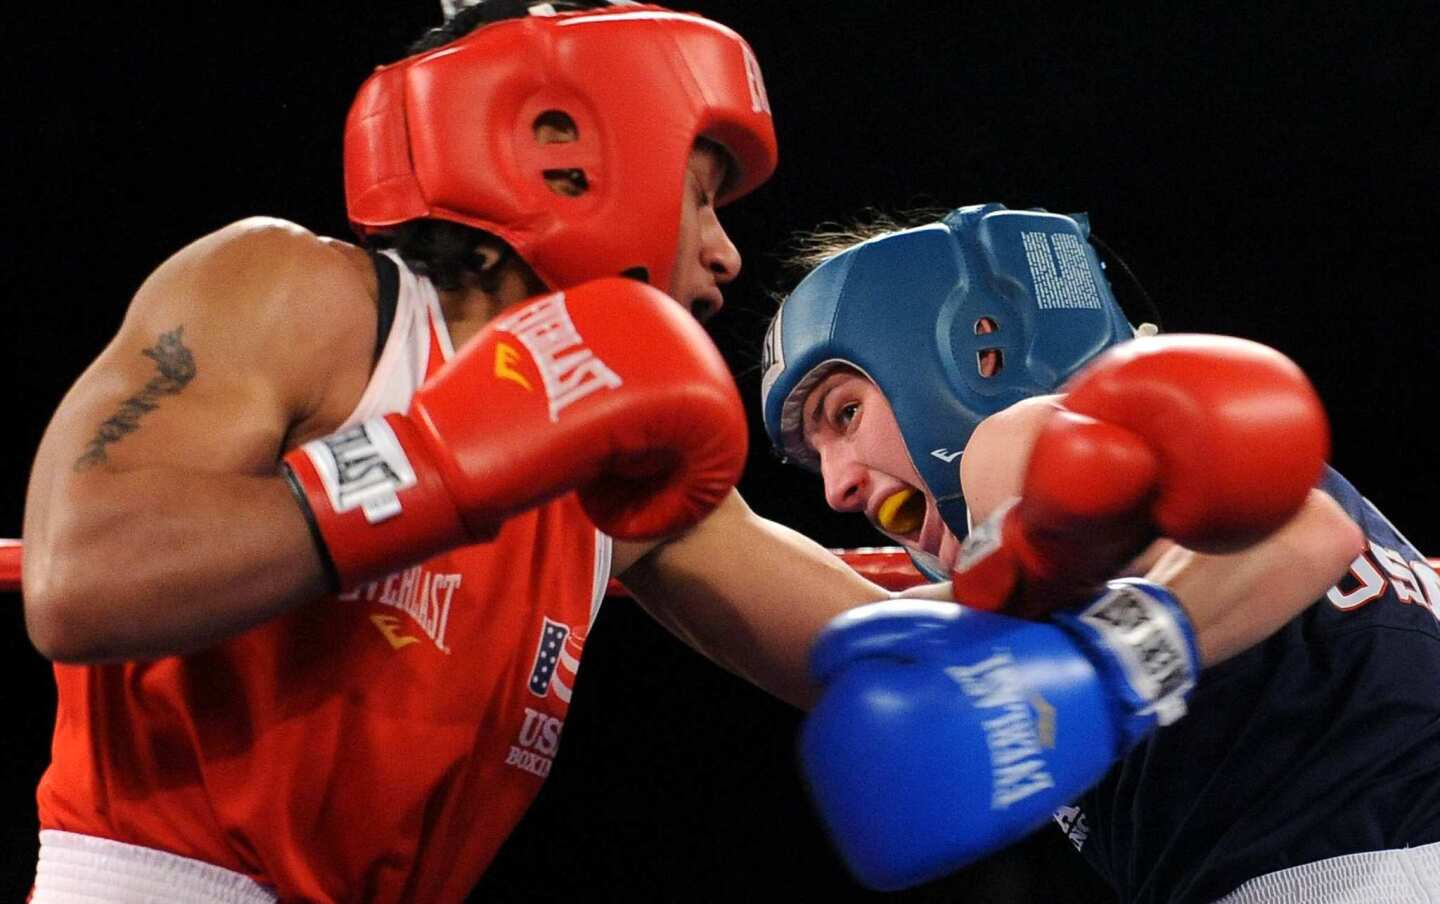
1239	433
945	733
1211	441
609	389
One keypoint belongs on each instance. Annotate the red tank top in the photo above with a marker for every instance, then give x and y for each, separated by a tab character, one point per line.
377	746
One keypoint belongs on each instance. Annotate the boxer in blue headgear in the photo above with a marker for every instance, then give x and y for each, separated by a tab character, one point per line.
1011	303
940	730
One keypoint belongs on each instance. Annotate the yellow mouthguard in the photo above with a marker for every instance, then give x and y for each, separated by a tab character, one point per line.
902	512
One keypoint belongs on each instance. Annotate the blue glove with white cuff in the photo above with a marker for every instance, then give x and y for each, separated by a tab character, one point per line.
945	733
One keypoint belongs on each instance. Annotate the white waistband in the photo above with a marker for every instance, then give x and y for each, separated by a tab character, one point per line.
83	869
1400	876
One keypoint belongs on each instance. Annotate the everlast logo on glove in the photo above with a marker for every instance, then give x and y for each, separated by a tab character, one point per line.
569	370
363	467
1014	735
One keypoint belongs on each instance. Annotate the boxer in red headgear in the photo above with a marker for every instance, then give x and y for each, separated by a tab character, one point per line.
316	542
624	95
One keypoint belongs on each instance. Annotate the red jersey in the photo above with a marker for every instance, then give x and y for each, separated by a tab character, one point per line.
376	746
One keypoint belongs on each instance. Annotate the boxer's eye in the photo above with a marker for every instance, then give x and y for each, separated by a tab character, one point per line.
699	194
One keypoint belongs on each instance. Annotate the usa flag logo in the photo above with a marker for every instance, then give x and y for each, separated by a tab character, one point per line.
556	660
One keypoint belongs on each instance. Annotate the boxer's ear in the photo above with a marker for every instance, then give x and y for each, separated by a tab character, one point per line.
557	127
989	361
489	256
502	272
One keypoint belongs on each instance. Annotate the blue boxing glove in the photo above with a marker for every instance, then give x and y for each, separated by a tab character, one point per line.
945	733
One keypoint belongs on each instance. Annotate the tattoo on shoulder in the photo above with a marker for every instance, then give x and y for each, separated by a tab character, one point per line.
177	368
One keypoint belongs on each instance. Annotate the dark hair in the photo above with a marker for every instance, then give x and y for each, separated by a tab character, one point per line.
439	249
444	252
485	12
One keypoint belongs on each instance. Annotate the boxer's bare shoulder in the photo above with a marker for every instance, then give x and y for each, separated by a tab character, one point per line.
268	312
993	466
274	275
227	351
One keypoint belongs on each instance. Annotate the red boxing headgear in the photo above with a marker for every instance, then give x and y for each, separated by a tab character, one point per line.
450	134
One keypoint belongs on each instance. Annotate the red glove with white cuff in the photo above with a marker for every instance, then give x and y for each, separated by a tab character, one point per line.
609	389
1211	441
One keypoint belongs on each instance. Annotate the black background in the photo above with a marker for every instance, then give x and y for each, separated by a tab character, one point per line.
1269	172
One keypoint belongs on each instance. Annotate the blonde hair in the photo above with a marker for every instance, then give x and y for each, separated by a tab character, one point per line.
810	248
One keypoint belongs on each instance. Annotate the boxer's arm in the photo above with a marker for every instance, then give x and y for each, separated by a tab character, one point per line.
1235	600
1239	599
155	521
748	593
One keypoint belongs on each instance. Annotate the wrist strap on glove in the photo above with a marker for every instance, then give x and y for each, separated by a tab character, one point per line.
1140	638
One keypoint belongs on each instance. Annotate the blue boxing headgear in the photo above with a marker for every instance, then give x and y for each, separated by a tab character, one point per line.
907	310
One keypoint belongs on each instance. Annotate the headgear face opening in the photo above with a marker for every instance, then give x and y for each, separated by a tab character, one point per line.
451	134
927	313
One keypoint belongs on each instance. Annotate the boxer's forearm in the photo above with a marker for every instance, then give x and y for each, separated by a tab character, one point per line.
750	594
1237	600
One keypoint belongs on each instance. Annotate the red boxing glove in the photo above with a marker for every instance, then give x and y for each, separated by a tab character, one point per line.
609	389
1212	441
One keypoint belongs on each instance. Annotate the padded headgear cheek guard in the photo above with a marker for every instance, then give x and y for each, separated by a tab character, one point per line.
450	134
906	310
